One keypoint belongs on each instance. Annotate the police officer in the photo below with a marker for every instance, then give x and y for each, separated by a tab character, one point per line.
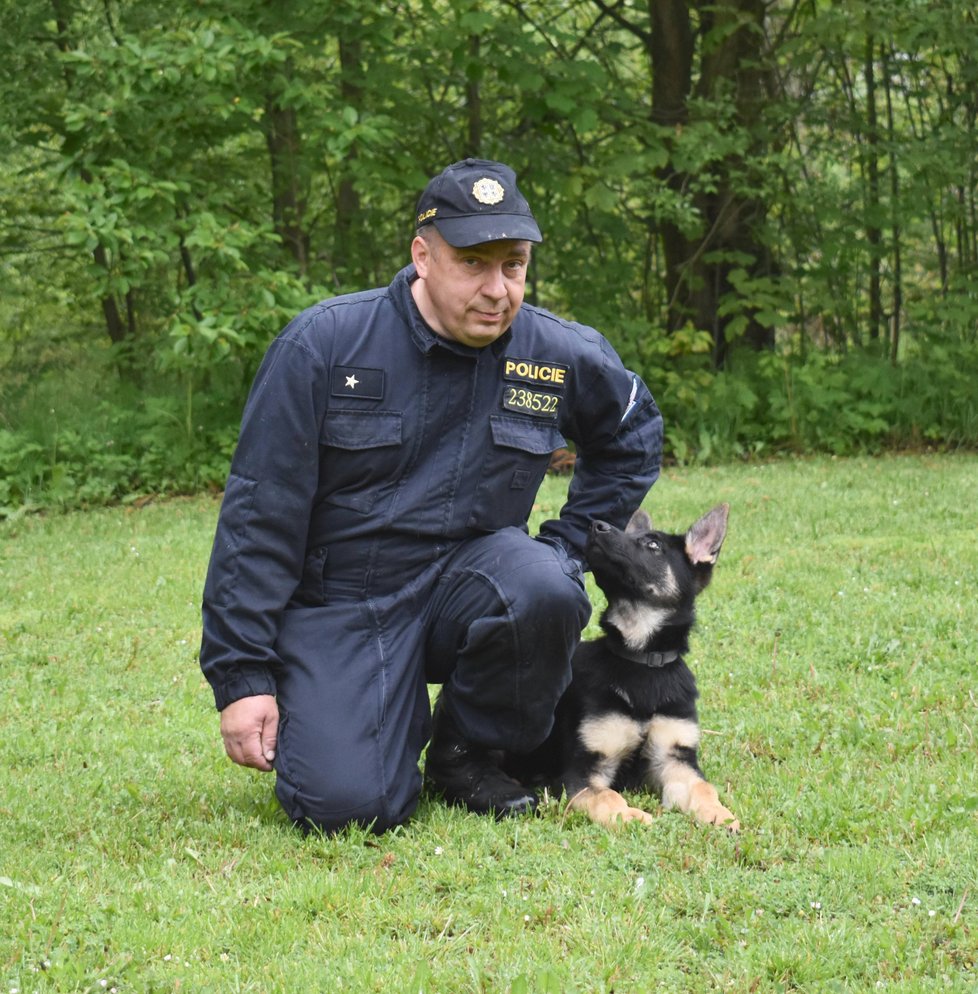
373	534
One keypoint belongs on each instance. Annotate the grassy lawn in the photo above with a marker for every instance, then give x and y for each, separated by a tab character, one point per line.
836	656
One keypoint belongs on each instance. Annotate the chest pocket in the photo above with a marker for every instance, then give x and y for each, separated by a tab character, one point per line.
361	456
513	470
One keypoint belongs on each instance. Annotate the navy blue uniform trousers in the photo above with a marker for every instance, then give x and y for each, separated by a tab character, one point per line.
495	620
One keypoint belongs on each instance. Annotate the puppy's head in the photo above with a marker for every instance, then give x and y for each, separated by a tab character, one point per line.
641	564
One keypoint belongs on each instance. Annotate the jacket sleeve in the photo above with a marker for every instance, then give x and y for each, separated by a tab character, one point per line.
617	428
259	546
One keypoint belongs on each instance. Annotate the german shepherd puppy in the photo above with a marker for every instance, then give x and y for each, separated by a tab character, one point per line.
628	719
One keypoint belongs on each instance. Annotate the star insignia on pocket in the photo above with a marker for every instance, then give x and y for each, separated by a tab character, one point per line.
352	381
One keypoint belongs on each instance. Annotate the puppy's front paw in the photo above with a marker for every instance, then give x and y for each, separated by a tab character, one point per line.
628	813
608	808
723	817
706	807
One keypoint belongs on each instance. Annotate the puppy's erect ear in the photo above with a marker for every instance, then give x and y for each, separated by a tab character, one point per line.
703	540
638	523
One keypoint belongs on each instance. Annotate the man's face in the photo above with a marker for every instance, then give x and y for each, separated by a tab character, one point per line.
470	295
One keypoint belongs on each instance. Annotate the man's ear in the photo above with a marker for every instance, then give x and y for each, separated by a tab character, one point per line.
420	254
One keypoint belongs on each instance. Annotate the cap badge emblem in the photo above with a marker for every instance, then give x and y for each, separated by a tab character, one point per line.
487	191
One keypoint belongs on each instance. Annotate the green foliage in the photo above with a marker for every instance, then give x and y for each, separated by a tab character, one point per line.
183	178
133	443
772	404
177	435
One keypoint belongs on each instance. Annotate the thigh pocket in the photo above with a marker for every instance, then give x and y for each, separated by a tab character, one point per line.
331	688
513	470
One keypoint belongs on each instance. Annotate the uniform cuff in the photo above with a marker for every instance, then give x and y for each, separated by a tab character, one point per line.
243	682
571	555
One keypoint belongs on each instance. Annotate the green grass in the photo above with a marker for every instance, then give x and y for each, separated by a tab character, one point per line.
836	655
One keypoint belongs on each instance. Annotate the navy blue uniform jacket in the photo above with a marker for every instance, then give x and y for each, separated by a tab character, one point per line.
370	446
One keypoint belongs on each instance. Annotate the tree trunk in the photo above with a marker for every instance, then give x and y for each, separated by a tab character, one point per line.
119	330
288	186
670	45
895	227
473	103
350	241
874	234
698	272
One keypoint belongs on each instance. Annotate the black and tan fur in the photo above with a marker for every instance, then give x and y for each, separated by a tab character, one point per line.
628	720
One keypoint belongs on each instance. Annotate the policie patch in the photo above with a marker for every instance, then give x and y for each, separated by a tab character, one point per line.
353	381
552	375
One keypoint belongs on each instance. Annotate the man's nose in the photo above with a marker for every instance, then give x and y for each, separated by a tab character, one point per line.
494	285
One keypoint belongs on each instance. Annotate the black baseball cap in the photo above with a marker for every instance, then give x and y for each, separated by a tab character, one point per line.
475	201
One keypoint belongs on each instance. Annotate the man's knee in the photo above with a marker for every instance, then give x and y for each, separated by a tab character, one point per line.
536	579
320	807
547	597
548	592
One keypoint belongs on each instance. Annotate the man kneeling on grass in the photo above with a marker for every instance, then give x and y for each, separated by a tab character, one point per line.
373	535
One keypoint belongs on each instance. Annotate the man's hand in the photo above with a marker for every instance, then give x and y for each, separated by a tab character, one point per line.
249	727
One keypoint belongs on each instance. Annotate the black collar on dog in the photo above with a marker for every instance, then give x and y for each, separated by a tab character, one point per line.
653	660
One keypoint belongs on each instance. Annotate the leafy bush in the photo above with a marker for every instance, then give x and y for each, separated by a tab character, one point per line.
63	451
126	446
780	402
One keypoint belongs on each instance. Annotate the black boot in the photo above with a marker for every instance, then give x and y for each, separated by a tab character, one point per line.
466	775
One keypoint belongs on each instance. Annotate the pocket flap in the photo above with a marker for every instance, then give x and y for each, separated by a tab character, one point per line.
537	438
361	429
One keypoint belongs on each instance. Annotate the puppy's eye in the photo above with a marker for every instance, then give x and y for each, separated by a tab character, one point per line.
652	545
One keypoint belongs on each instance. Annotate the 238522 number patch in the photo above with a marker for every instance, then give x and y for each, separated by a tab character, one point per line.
535	402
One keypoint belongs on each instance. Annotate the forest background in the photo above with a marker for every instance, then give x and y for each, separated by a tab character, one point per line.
770	208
